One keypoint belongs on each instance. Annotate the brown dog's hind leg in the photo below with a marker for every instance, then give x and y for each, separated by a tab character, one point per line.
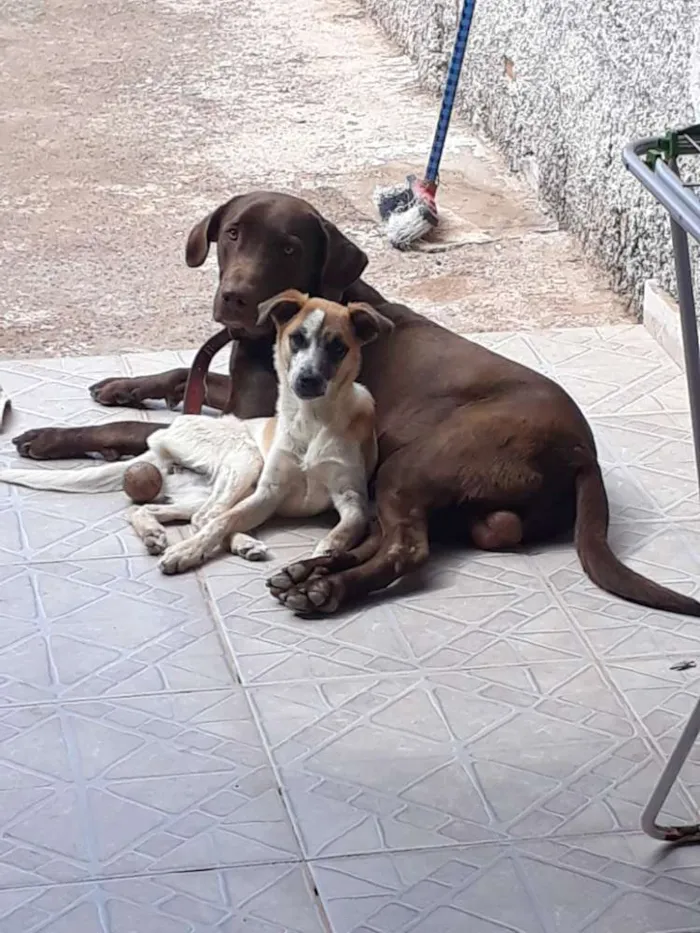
112	441
497	531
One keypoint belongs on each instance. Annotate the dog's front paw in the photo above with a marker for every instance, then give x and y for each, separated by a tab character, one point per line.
40	444
319	594
248	548
124	393
306	588
299	572
156	541
180	557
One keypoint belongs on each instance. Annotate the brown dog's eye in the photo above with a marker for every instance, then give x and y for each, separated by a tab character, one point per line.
336	349
233	233
289	250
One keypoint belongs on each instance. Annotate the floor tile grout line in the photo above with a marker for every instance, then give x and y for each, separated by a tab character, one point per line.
116	697
503	844
192	870
257	720
317	897
217	625
247	685
435	671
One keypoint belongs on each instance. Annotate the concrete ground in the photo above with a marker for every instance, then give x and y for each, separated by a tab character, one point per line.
182	755
126	121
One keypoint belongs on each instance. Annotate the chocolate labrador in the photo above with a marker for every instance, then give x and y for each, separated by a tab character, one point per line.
489	450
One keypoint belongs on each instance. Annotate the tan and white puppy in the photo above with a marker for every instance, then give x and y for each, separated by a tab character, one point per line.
320	448
317	452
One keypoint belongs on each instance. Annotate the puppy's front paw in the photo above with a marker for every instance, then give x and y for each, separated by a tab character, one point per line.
248	548
156	541
180	557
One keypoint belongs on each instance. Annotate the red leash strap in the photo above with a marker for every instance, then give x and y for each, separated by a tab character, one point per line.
196	390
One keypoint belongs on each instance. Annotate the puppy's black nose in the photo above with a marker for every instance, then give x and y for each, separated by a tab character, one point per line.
309	386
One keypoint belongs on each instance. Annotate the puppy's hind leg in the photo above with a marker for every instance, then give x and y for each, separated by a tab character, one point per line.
235	479
148	520
248	548
244	516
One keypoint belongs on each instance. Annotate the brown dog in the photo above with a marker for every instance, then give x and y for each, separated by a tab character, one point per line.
495	450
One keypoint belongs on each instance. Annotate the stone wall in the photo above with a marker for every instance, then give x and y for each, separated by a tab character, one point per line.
561	86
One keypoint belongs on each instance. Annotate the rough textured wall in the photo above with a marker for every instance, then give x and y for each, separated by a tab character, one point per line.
561	86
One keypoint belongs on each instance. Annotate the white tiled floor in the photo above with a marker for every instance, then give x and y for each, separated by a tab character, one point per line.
183	755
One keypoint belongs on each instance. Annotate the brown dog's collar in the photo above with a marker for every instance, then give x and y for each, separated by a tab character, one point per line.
195	391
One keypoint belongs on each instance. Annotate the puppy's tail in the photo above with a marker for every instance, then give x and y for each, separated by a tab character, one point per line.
107	477
598	560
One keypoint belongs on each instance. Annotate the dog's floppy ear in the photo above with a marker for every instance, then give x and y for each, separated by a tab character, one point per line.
367	322
204	233
343	263
282	307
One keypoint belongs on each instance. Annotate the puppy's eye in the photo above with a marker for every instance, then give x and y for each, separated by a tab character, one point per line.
232	233
297	341
289	250
336	349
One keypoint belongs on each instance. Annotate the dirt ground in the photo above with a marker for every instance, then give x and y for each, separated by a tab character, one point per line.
124	122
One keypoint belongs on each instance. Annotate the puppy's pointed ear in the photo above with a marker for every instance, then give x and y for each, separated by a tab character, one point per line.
367	322
343	262
204	233
282	307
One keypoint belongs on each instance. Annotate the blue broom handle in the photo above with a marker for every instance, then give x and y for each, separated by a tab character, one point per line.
450	91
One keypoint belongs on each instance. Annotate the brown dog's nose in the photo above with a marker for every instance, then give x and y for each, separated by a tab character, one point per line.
234	298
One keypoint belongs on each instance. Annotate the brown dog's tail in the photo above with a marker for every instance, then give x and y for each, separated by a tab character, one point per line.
598	560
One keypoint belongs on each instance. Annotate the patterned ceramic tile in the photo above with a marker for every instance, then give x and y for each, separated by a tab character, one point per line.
493	728
259	899
49	526
650	467
47	393
612	370
663	699
103	627
590	885
136	785
669	554
406	762
144	364
470	610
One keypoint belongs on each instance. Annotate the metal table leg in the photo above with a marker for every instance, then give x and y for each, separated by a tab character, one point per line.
689	327
679	755
687	833
654	162
686	303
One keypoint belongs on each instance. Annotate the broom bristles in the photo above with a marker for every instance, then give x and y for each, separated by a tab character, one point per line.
408	211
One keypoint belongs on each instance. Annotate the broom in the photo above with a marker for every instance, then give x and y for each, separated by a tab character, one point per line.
408	210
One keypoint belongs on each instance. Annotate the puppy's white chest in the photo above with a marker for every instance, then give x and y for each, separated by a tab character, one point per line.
307	462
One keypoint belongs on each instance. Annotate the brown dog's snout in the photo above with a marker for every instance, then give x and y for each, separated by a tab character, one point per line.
236	304
234	299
